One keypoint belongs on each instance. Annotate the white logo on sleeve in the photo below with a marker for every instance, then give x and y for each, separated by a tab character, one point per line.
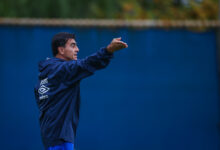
43	89
44	81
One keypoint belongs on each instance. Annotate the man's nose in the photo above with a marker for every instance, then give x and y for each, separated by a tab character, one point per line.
77	49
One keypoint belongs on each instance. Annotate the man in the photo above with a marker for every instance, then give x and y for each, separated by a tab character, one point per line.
58	89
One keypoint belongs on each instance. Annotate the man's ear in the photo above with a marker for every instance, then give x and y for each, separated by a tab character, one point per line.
61	50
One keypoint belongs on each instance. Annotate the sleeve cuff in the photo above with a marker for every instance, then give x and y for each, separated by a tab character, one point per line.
106	53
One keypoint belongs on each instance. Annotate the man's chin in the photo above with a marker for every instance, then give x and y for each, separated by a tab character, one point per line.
74	58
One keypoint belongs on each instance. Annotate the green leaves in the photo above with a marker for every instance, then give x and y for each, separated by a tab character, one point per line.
110	9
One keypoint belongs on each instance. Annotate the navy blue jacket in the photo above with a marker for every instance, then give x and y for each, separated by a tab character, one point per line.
58	94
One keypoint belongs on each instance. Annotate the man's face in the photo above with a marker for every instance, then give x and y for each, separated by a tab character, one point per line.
70	50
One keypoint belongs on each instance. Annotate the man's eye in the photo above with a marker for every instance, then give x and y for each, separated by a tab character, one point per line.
73	45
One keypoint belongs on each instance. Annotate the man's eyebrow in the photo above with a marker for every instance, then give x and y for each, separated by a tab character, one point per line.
73	43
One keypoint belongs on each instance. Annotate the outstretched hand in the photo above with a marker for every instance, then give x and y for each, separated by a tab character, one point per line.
116	45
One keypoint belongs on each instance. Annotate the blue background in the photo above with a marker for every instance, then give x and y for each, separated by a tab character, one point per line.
161	93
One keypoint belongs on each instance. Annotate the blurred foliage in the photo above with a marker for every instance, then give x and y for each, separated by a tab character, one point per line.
110	9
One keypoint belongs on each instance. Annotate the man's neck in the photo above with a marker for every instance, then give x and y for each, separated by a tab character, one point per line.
60	56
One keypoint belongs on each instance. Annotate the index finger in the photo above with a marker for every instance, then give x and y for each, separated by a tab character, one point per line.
123	43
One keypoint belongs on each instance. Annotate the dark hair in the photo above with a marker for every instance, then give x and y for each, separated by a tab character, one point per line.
60	39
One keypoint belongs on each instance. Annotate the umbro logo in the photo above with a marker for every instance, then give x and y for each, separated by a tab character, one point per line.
43	89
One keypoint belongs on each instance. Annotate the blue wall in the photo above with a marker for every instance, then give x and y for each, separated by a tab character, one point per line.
159	94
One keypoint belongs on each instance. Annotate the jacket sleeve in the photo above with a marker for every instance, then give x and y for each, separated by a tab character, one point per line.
76	70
